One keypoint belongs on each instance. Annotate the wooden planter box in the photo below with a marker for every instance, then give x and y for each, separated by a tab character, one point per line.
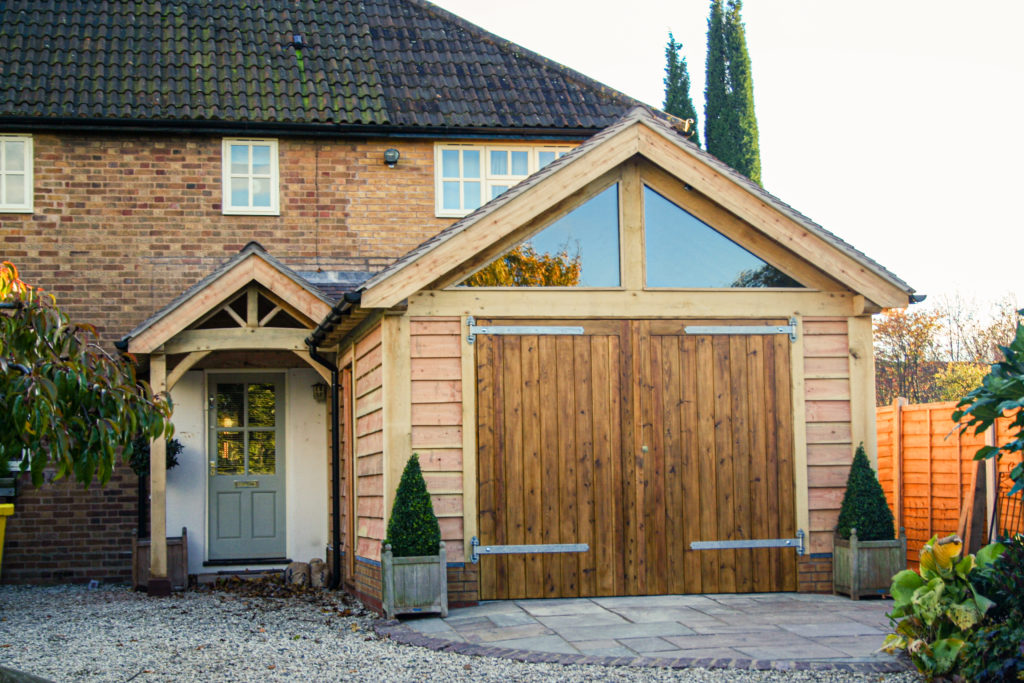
415	585
177	561
866	567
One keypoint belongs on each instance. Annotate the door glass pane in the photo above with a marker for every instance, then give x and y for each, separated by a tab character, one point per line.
471	163
520	163
683	251
450	163
14	153
239	192
261	405
15	192
239	159
229	405
261	159
262	453
230	458
499	163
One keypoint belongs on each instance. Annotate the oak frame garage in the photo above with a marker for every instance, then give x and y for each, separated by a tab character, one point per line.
747	436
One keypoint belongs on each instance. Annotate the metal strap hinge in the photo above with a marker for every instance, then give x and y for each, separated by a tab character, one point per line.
475	329
479	550
796	543
789	329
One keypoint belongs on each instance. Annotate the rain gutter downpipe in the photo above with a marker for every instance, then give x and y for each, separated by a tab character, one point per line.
312	342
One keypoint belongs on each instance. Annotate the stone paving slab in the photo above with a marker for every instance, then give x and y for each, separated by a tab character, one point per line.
765	631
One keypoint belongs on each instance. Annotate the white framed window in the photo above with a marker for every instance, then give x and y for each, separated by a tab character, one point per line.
16	174
468	175
250	177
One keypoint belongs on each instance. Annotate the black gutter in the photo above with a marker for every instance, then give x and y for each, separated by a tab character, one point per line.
327	325
271	129
335	467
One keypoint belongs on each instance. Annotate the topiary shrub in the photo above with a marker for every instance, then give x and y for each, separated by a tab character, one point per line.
864	507
139	459
413	529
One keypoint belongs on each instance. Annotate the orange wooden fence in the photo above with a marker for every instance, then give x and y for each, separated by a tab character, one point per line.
925	467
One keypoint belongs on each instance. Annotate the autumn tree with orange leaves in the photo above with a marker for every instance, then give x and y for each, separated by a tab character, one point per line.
524	267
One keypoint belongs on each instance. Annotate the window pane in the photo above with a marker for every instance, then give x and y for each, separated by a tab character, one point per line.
449	163
262	453
499	163
579	250
450	200
261	192
520	163
683	251
472	195
15	192
240	192
471	163
230	458
229	405
545	158
261	405
261	159
497	189
14	155
239	159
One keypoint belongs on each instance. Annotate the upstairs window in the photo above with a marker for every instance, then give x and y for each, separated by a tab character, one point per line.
469	176
685	252
16	173
251	177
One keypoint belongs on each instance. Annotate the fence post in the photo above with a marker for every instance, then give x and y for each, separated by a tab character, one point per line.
991	487
897	458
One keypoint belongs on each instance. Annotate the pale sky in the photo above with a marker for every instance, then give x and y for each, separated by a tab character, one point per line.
892	123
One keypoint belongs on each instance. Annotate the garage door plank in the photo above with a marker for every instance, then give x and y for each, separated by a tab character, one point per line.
565	394
585	469
741	458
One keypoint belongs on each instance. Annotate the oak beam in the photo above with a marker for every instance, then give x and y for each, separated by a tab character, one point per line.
261	338
159	583
184	366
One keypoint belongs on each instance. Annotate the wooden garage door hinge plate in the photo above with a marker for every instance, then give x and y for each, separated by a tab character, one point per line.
795	543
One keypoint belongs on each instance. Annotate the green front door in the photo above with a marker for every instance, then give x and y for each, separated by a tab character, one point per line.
246	467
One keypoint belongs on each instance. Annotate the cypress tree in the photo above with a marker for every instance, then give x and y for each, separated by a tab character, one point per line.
677	87
864	507
413	529
730	125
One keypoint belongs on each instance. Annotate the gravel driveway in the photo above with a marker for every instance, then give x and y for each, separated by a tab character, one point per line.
72	633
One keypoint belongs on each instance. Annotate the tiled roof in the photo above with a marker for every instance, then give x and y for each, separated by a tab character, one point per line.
402	63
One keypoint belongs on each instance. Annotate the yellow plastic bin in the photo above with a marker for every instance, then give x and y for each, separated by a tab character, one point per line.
6	510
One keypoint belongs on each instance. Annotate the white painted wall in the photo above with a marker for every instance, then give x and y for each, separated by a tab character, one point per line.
306	462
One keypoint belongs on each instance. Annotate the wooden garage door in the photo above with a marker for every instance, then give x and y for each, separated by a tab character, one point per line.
636	439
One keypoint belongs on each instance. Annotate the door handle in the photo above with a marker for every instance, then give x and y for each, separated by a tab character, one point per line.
213	468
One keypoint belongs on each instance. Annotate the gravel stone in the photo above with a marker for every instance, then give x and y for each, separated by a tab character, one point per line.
73	633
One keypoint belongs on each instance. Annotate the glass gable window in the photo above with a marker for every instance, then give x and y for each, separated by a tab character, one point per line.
581	249
16	173
471	175
682	251
250	177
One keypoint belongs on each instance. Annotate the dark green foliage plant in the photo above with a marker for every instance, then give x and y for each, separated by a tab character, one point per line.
730	124
139	459
677	87
413	529
1001	392
864	507
996	651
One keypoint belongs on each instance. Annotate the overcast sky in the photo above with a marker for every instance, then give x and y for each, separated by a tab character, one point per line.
894	124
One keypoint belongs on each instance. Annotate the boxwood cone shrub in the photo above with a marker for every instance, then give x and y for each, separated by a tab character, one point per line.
864	507
413	529
139	459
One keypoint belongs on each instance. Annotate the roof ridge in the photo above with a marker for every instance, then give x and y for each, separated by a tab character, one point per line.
509	46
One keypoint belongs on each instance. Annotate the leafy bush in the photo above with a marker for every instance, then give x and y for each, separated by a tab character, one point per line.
939	608
139	459
996	651
864	507
413	529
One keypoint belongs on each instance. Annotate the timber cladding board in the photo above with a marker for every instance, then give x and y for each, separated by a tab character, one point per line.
435	349
368	437
635	439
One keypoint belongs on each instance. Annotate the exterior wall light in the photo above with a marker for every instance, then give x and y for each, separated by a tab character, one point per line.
391	157
320	392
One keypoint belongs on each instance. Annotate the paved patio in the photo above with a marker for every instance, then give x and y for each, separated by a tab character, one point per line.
762	631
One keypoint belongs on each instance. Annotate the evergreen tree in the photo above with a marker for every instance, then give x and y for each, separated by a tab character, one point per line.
677	87
864	507
413	529
730	126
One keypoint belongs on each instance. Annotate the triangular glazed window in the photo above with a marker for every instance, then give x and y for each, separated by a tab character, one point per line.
684	252
581	249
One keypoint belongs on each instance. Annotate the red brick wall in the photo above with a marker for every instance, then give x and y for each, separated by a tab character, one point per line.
63	532
814	573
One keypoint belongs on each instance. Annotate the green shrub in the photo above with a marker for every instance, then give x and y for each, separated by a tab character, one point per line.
996	651
413	529
935	611
139	459
864	507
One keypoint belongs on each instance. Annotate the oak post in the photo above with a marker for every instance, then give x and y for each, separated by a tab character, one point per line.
159	583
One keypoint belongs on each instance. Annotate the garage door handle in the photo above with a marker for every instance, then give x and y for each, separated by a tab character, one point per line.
796	543
479	550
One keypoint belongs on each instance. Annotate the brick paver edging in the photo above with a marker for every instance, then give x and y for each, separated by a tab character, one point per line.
399	633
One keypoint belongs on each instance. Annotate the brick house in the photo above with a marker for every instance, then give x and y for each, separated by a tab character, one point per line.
281	213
